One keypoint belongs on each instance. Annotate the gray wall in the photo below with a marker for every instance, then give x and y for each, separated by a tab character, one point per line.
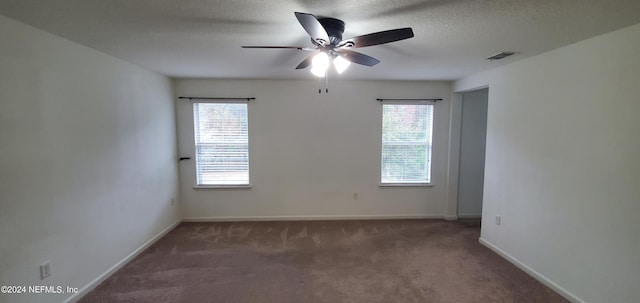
310	152
473	136
87	160
562	166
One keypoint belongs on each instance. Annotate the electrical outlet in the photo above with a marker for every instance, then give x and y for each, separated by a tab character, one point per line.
355	196
173	201
45	270
498	219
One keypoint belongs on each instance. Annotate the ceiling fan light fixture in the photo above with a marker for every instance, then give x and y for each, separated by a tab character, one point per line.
318	72
320	64
341	64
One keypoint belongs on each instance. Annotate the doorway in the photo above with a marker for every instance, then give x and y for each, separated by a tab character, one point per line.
473	138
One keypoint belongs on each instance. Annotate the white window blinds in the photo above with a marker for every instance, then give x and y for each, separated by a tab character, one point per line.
406	143
222	143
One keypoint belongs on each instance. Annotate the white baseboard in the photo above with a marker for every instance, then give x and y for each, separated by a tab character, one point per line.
470	216
93	284
538	276
311	218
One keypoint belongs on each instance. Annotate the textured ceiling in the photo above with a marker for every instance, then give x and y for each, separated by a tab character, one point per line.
202	38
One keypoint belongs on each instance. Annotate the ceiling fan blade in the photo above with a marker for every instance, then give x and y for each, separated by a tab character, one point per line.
313	27
378	38
306	62
279	47
357	57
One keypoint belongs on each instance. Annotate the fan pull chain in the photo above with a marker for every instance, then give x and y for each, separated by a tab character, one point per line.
326	82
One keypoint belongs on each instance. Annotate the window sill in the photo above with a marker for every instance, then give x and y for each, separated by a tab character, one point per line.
212	187
405	185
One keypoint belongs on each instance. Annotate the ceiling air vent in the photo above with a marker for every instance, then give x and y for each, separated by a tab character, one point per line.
501	55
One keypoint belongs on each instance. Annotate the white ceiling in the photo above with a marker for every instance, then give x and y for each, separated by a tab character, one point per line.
202	38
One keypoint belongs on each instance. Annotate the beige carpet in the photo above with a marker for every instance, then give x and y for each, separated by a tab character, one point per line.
322	261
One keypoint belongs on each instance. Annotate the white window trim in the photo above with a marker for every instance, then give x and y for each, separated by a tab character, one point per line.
214	187
433	123
405	184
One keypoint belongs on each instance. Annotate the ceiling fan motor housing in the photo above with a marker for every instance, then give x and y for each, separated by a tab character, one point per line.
334	28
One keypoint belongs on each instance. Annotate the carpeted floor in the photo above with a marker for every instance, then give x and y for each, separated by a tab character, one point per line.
322	261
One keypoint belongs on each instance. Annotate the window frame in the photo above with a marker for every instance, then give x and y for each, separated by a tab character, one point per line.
197	186
430	144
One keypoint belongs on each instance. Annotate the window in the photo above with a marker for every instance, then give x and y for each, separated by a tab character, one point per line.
222	144
406	144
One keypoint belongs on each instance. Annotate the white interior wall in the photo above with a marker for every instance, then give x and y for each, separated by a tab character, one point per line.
562	166
310	152
87	160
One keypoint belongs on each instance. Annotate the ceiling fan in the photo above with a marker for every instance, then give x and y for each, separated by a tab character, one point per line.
326	36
